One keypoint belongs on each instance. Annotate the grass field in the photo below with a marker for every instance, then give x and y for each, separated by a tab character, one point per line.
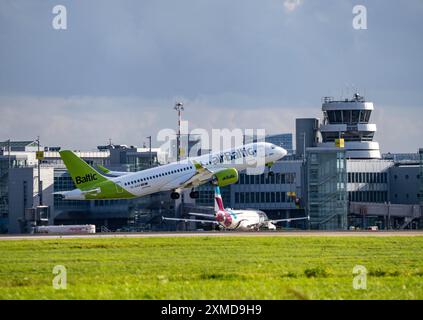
213	268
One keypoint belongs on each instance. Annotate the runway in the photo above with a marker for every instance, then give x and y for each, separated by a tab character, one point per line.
219	234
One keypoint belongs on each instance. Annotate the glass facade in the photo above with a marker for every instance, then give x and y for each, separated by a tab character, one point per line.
4	193
283	140
63	182
5	163
206	195
273	195
327	189
421	177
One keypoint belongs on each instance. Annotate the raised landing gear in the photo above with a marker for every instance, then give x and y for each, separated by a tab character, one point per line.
175	195
270	173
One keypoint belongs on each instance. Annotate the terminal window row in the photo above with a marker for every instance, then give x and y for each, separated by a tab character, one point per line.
261	197
276	178
63	183
368	196
367	177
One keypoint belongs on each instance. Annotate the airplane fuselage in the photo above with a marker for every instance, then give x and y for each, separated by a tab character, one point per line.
243	220
178	174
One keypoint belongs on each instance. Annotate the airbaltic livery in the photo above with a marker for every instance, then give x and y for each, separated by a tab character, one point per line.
243	220
222	168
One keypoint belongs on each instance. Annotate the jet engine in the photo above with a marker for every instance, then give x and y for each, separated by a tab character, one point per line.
225	177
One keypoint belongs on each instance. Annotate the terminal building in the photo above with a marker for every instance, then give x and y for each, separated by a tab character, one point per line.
337	176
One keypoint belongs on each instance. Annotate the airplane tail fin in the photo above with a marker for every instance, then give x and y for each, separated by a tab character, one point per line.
102	169
218	202
83	175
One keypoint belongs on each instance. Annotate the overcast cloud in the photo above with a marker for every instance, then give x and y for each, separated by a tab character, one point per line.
119	67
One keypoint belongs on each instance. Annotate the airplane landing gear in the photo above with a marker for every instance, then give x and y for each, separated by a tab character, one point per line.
175	195
270	173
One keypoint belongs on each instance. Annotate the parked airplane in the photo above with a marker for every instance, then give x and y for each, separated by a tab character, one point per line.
244	220
221	167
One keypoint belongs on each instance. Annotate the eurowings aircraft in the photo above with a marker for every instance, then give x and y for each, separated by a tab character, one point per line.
220	167
243	220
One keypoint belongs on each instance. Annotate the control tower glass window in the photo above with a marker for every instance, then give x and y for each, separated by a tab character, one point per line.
347	116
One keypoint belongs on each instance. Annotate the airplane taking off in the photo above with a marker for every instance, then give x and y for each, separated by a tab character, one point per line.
221	167
243	220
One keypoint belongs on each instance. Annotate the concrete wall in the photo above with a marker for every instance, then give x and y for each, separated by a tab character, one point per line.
23	189
309	127
404	184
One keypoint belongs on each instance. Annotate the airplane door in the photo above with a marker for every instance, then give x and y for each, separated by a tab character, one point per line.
119	188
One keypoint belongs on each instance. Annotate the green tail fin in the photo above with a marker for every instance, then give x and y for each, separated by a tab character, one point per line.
83	175
102	169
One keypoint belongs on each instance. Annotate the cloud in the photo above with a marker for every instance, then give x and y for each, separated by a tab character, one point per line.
82	123
85	122
291	5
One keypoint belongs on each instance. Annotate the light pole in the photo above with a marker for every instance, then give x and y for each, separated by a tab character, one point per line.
151	161
8	153
179	107
40	183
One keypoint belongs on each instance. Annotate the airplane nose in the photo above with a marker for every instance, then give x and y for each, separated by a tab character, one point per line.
282	152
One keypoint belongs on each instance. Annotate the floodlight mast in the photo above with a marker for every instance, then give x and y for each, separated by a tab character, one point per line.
179	107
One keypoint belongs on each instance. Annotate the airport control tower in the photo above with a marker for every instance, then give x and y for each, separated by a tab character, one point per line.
349	119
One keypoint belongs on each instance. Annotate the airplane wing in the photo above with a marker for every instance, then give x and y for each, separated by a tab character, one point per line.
202	215
202	175
289	219
190	220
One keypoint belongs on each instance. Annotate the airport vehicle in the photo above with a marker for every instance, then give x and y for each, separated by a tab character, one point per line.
243	220
221	167
66	229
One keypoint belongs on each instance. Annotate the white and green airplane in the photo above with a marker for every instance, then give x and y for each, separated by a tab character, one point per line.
222	168
230	219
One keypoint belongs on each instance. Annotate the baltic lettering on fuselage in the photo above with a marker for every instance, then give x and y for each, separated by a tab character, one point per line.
230	156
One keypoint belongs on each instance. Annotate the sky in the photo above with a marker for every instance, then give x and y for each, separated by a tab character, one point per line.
120	66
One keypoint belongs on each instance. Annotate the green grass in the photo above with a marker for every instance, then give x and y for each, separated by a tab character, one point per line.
213	268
